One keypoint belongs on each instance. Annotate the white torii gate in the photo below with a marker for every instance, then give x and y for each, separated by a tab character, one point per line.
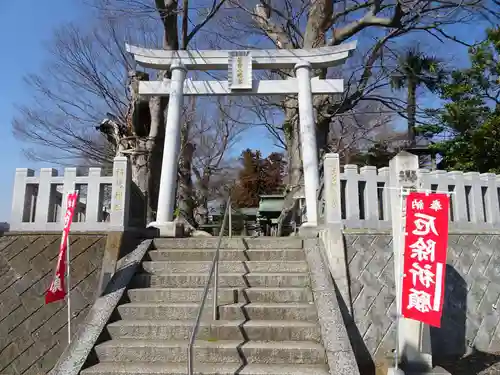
240	82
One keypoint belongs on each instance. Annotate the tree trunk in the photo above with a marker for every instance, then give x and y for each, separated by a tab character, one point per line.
145	122
139	164
323	135
292	138
185	198
294	180
202	209
411	111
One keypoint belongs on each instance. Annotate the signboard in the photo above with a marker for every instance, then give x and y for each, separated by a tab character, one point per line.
240	70
57	290
426	242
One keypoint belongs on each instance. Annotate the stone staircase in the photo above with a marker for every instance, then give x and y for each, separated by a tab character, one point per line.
268	319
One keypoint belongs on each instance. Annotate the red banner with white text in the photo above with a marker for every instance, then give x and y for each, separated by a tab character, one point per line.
57	289
426	242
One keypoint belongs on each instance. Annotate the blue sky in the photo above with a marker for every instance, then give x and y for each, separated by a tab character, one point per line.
24	28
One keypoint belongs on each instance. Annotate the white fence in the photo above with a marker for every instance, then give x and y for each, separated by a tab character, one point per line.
38	202
359	198
364	195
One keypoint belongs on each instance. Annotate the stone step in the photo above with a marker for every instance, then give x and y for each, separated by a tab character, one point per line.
235	311
223	351
147	368
229	243
226	295
193	280
259	330
159	267
270	311
227	255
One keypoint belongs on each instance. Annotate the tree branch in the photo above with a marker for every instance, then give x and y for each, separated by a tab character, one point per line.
274	32
318	22
215	8
185	10
369	19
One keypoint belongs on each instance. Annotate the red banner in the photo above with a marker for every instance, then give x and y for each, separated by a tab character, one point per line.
426	242
57	289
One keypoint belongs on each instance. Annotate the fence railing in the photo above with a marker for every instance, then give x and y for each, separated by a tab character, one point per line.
364	195
38	202
357	197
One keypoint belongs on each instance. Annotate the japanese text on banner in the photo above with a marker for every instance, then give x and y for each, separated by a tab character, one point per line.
57	289
426	242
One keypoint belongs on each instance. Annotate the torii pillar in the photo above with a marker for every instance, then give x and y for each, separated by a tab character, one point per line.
171	148
309	147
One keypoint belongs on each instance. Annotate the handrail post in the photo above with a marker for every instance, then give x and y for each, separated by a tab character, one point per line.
230	220
216	285
190	360
214	271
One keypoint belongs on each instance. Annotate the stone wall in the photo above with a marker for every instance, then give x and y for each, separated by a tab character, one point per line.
33	335
471	312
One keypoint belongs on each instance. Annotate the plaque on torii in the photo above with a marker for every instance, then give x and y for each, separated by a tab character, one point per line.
239	70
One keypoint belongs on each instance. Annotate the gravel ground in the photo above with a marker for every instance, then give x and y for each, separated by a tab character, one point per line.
478	363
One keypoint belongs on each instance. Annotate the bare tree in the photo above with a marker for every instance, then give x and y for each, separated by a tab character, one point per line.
358	128
84	86
71	95
215	133
304	24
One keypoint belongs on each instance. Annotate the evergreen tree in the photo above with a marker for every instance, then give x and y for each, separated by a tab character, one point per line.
416	69
471	114
258	176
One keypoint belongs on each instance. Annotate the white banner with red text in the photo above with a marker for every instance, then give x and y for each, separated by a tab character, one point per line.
426	243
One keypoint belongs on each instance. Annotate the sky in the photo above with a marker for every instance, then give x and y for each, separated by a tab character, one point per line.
24	28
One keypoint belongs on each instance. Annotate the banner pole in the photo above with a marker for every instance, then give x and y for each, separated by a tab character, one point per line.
68	288
400	277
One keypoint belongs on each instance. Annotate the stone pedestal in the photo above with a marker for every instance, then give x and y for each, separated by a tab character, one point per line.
168	228
309	230
395	371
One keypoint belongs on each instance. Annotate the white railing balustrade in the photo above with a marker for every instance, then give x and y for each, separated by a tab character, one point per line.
38	202
365	195
356	197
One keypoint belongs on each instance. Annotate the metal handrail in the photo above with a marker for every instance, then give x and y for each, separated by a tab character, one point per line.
214	271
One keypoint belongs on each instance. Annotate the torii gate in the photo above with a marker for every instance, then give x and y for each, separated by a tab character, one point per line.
239	65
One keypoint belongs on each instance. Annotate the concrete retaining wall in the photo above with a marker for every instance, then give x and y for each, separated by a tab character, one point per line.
471	312
33	335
